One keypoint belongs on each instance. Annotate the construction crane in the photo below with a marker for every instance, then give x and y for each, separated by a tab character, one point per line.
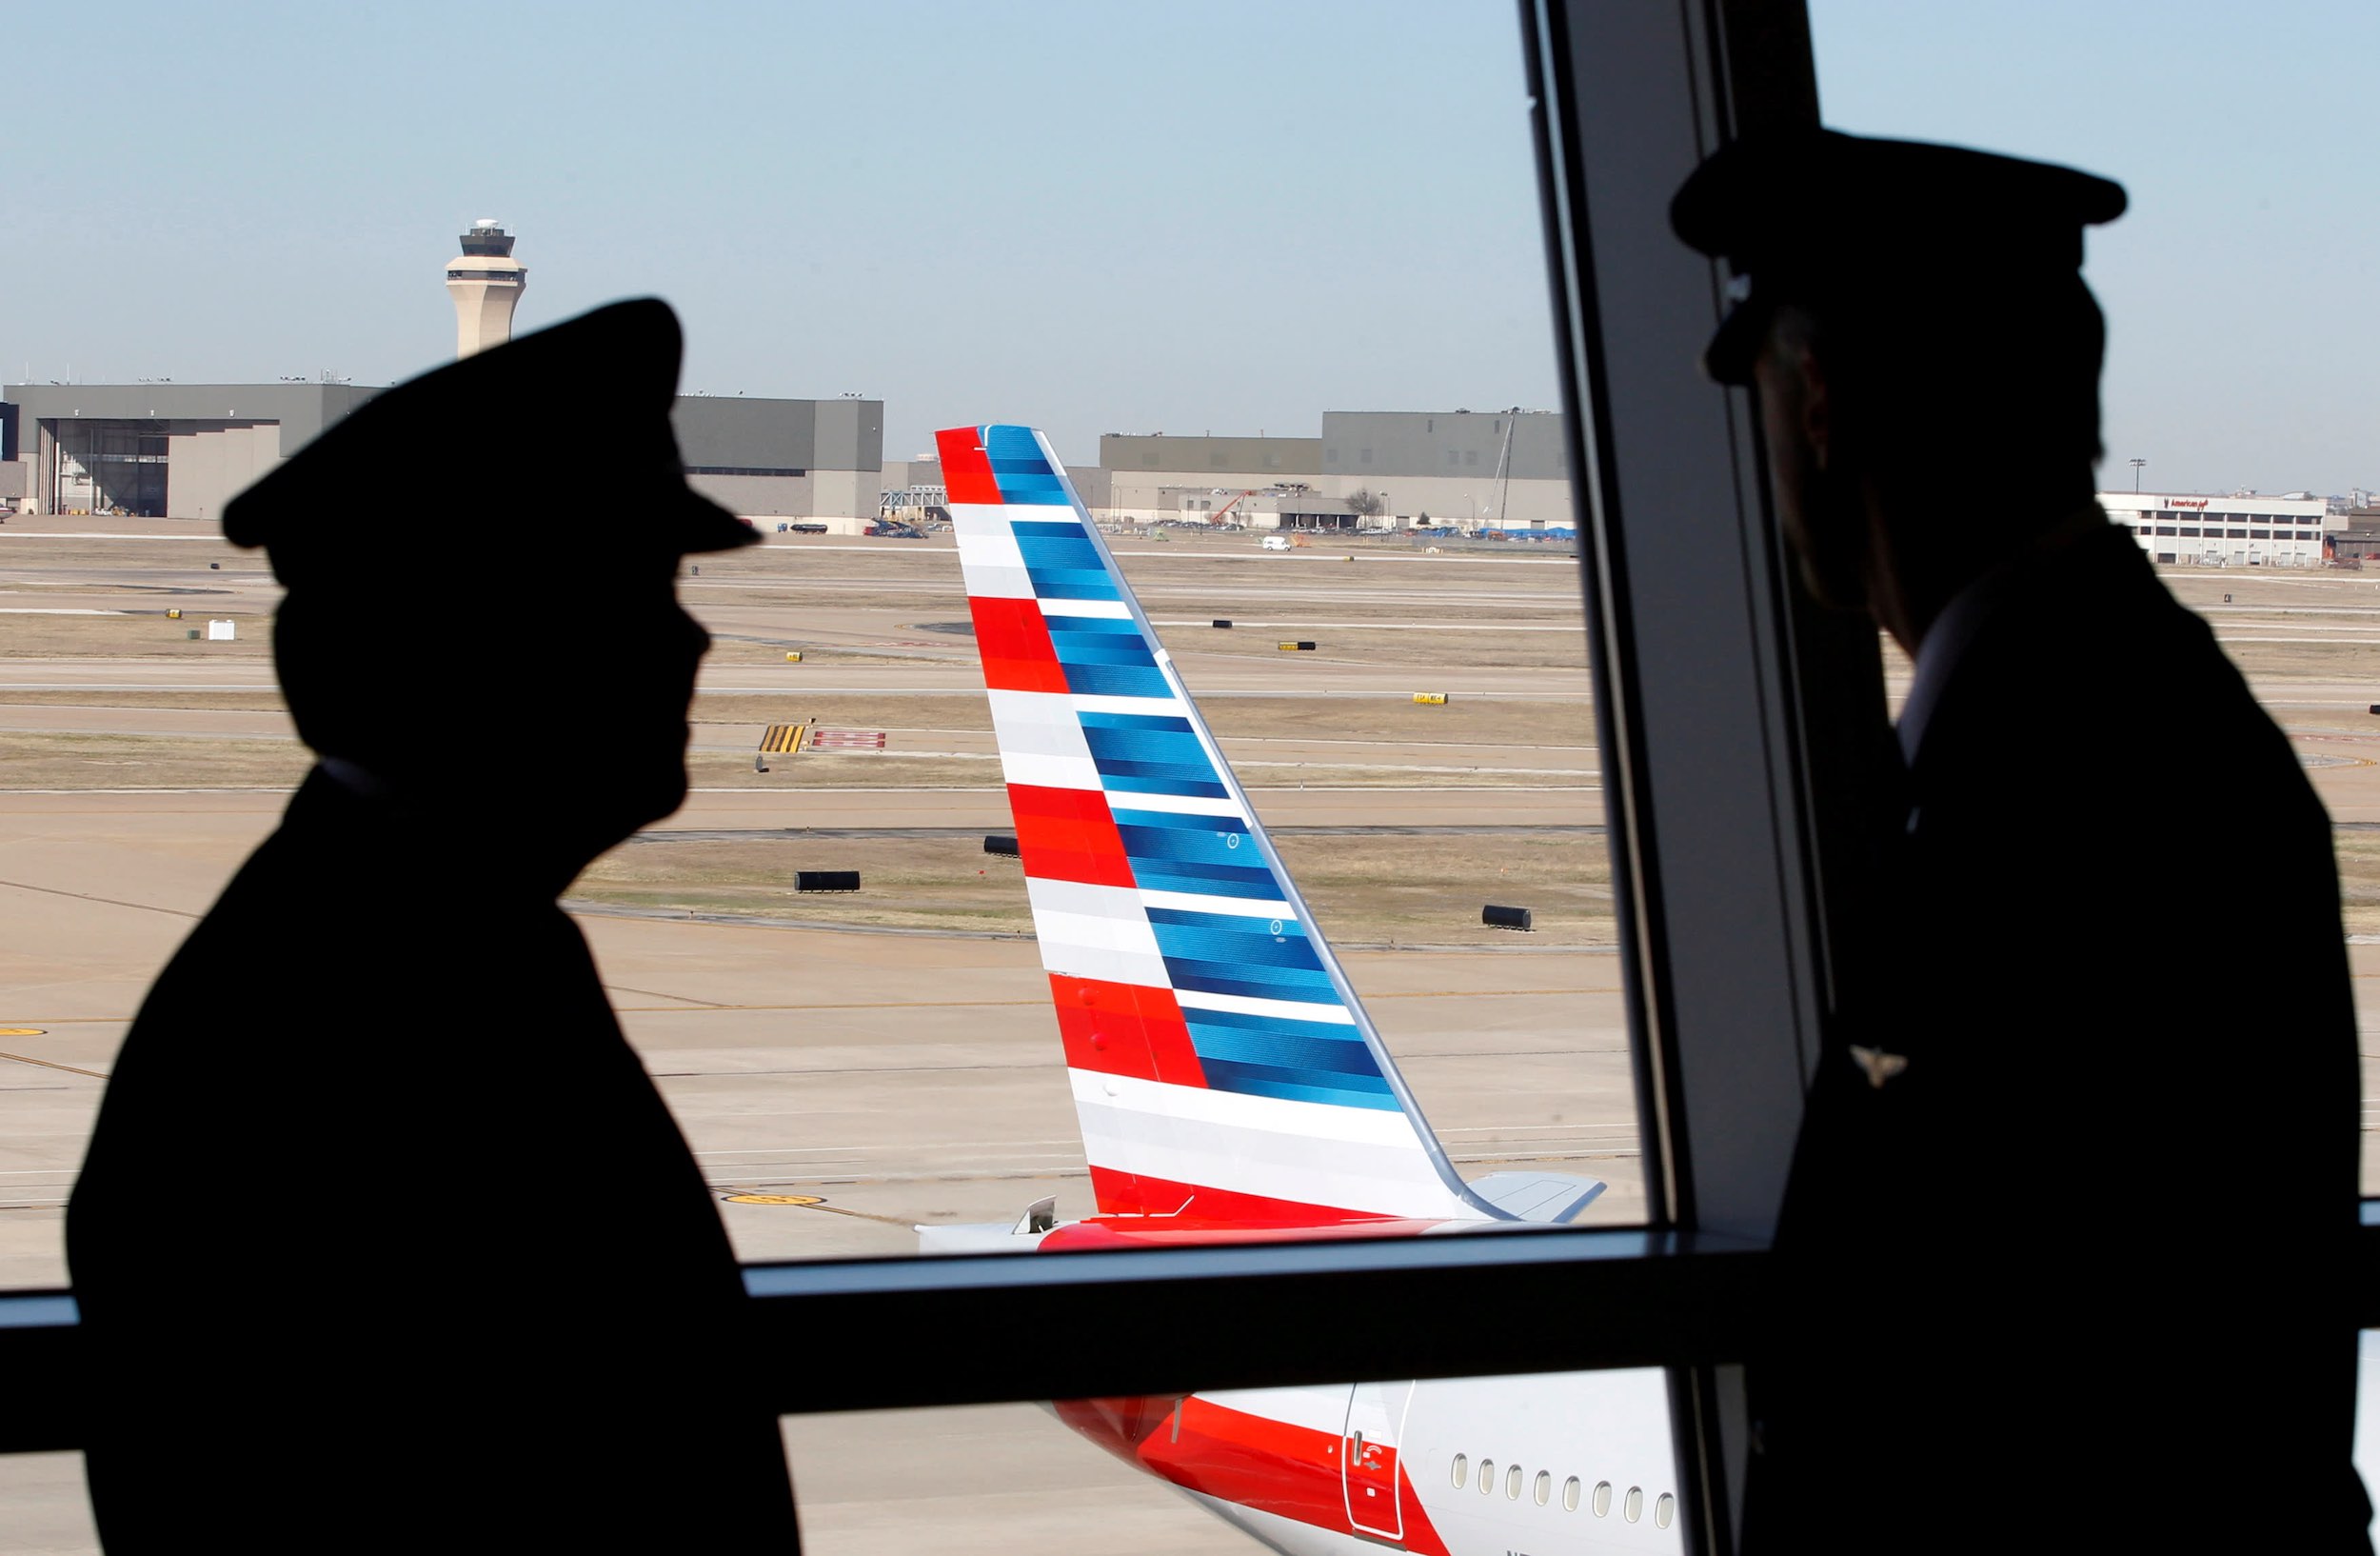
1504	469
1223	512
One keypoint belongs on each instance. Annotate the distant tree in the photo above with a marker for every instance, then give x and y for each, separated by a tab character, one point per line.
1366	503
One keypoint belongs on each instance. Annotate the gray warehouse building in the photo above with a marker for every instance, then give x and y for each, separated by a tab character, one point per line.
156	450
182	450
1488	469
818	460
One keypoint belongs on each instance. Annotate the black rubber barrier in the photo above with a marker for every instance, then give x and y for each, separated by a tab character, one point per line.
1223	621
827	880
1504	918
1004	846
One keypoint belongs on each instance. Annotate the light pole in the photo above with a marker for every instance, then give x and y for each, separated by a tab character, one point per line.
2136	464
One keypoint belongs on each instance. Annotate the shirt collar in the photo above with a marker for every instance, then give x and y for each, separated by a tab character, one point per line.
354	777
1969	612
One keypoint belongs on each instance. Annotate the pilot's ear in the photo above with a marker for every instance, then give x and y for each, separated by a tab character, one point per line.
1792	375
1817	418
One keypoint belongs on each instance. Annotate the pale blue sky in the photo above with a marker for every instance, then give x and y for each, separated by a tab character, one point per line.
1101	217
2243	341
1111	217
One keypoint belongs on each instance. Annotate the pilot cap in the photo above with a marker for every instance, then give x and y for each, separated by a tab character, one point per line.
557	446
1897	232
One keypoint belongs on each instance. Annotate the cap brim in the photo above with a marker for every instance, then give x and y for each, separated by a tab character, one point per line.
1736	347
708	527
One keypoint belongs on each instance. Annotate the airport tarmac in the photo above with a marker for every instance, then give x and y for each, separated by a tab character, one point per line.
905	1077
901	1078
797	1059
798	1062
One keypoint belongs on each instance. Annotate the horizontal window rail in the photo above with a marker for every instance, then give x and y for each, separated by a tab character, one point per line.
976	1330
973	1329
989	1328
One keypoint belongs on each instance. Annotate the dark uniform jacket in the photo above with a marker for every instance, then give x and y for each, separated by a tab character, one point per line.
386	1242
2064	1252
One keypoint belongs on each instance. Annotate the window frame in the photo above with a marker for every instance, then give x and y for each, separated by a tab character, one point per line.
1738	730
1680	1293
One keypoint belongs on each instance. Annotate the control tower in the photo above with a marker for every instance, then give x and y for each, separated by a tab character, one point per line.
486	282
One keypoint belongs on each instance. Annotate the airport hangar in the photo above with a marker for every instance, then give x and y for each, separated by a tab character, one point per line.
1501	470
1471	470
1507	471
182	451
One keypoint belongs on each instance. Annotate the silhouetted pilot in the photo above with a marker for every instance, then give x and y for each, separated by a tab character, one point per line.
384	1240
2064	1253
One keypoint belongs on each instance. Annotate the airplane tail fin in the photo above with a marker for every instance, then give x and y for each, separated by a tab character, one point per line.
1224	1073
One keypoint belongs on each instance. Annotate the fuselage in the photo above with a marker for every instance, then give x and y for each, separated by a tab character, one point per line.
1538	1465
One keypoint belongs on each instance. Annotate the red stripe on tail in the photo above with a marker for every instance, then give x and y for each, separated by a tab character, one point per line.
1014	640
1068	834
1125	1030
966	469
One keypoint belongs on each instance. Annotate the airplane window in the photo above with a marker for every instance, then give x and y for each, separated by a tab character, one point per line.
1570	1495
1544	1488
1664	1509
1634	1507
1602	1497
1463	1470
1487	1476
1512	1483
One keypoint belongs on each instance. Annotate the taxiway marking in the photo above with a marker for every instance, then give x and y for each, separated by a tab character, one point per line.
84	896
45	1064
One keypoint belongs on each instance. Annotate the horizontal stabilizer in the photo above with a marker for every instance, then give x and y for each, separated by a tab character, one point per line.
1549	1197
977	1237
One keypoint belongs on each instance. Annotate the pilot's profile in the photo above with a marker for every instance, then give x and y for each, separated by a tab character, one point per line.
384	1240
2064	1252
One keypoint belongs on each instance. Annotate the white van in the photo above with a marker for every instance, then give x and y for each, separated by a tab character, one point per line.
1277	543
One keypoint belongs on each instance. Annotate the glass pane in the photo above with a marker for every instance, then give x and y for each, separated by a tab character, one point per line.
1336	495
1208	1472
1223	1473
2239	471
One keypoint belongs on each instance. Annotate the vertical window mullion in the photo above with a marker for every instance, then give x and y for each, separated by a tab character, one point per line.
1713	760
